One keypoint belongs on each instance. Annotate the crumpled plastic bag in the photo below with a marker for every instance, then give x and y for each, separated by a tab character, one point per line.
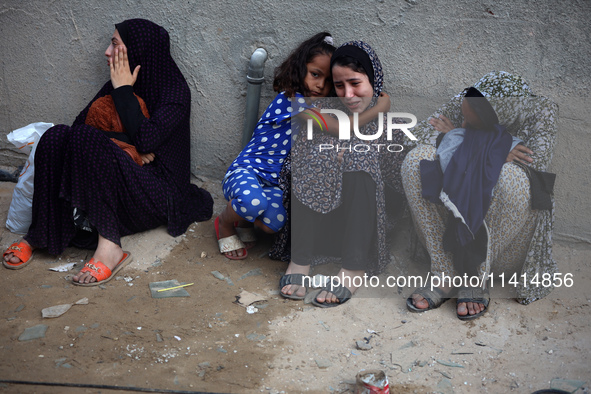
58	310
20	213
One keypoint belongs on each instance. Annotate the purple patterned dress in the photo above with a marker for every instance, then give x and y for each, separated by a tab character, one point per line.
80	167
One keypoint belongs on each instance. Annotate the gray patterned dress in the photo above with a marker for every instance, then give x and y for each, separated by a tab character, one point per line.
317	177
520	239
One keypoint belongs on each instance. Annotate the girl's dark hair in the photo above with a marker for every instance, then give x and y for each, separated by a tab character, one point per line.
289	76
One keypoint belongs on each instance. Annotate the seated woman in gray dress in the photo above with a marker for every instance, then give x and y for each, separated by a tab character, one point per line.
518	230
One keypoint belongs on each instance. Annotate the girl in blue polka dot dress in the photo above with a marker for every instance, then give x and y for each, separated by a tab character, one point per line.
250	184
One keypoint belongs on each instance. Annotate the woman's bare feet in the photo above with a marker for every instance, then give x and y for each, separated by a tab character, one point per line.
11	258
421	303
293	289
347	279
463	308
469	308
108	253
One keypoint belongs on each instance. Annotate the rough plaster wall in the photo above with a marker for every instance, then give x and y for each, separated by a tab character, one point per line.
53	63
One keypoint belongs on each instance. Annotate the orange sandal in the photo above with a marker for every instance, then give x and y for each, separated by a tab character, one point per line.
101	272
21	250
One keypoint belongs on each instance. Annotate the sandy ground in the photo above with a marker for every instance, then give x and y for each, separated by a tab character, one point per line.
207	342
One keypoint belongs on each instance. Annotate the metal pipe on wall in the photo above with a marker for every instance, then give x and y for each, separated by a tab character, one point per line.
255	78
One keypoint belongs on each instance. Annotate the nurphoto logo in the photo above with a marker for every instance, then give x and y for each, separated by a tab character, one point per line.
392	124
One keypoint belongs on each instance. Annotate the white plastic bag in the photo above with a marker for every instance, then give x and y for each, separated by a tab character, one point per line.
19	213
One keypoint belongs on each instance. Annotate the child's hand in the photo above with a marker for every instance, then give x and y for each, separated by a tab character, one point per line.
383	104
147	157
120	73
521	154
442	124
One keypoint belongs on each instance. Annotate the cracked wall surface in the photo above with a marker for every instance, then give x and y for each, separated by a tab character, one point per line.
53	64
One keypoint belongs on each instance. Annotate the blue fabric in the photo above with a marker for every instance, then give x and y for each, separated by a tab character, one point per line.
271	139
431	180
469	178
252	178
253	199
450	142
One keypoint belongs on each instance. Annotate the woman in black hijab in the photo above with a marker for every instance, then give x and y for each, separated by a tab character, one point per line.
79	167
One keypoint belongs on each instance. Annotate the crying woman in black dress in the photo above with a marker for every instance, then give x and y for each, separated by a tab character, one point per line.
81	168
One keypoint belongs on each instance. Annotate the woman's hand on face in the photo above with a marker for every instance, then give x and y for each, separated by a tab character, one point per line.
120	73
383	104
442	124
521	154
147	157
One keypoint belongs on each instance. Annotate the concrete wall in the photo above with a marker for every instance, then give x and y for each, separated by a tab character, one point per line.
53	63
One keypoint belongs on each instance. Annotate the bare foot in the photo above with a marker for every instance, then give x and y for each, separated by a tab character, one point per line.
421	303
472	301
226	227
11	258
472	308
294	289
347	278
108	253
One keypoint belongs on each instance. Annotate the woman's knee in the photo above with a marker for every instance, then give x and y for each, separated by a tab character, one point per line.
81	137
410	171
413	158
56	136
512	188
